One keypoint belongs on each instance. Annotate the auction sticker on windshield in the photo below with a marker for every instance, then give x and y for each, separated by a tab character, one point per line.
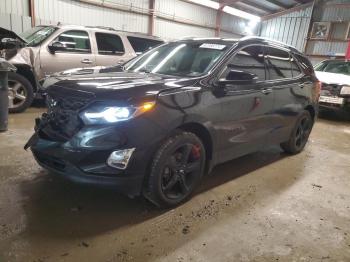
212	46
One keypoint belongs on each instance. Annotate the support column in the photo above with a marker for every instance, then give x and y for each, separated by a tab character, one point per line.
151	17
218	19
32	11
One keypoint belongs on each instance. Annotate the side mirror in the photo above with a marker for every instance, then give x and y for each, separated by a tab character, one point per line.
236	77
56	46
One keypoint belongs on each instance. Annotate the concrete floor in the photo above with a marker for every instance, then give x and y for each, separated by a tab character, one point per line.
263	207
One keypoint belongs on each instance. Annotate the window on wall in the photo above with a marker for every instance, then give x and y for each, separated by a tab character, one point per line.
250	60
278	63
109	44
75	41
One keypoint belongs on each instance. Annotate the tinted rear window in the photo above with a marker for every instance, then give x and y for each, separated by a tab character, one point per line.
141	45
109	44
278	63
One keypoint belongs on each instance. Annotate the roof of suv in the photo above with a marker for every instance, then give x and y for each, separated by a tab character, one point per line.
107	29
243	41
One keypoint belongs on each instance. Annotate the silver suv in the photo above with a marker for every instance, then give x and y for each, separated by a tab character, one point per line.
44	50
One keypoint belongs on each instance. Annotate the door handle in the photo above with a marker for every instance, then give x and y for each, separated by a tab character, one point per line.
301	85
86	61
266	91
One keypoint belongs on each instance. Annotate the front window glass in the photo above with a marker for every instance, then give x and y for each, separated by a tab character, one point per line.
179	59
37	35
250	60
337	67
74	41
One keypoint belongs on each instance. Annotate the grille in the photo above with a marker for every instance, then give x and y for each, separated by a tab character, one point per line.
62	120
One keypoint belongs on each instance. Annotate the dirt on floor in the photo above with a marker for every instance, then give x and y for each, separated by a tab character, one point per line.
266	206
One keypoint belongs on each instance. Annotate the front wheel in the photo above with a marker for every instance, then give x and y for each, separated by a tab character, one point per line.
299	135
20	93
176	170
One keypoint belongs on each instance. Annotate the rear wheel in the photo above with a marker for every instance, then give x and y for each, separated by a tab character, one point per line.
176	170
300	134
20	93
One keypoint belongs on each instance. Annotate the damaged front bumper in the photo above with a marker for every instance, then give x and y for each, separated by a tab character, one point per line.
85	158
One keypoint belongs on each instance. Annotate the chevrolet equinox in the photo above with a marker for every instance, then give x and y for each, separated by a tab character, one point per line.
170	115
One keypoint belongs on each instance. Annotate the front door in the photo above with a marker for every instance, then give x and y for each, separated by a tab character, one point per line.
246	106
76	52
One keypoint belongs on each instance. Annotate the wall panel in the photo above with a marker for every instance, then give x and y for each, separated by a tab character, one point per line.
290	28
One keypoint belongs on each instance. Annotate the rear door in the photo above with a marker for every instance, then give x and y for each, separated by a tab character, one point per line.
288	88
77	52
111	49
246	108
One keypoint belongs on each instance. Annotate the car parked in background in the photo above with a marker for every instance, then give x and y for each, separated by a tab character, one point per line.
44	50
335	78
173	113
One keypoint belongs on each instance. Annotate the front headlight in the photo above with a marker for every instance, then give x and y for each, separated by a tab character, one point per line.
100	114
345	90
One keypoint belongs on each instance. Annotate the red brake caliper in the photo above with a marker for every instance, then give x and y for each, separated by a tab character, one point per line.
196	152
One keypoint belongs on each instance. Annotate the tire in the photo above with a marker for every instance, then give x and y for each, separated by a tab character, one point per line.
24	92
299	135
176	170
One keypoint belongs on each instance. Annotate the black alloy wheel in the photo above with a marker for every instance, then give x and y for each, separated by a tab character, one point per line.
177	169
300	134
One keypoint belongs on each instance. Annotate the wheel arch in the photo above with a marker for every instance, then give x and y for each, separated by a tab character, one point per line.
27	72
204	135
312	111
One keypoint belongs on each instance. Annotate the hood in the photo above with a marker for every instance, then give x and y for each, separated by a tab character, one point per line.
332	78
4	33
122	86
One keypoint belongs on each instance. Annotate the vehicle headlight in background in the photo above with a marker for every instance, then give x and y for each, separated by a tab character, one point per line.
111	114
345	90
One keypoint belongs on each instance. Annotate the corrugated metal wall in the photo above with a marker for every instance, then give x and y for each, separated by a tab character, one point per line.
235	25
14	15
174	18
74	12
290	28
328	11
16	7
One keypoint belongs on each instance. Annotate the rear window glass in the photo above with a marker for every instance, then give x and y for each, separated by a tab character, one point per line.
141	45
109	44
278	63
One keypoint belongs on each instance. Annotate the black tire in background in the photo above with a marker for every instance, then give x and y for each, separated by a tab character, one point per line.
24	94
299	135
176	170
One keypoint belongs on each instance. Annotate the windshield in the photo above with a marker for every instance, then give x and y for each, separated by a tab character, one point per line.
37	35
178	59
337	67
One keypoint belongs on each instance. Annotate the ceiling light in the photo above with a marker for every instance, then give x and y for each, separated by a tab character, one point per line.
227	9
233	11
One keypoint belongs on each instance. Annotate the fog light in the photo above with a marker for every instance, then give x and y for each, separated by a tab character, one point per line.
120	158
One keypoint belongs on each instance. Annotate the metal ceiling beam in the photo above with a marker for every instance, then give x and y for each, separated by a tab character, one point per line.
279	4
284	12
257	6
